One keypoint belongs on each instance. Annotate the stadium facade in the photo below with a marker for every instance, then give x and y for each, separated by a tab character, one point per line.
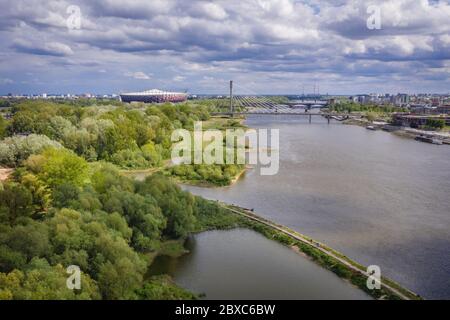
153	96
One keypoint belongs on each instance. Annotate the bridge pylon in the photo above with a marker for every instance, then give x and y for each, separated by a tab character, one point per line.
231	99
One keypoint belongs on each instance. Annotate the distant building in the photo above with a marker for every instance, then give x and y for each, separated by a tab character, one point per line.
420	109
401	99
361	98
152	96
436	101
332	101
443	109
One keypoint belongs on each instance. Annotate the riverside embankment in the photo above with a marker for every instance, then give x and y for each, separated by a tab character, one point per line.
404	132
356	274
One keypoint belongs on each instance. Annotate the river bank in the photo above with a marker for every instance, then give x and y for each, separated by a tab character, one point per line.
404	132
325	256
144	173
205	184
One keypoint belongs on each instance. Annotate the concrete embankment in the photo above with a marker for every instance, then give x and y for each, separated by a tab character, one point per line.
388	285
404	132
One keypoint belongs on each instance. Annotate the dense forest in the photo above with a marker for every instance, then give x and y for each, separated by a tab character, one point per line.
128	136
67	202
131	137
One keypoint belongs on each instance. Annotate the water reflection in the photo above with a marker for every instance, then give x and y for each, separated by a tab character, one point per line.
241	264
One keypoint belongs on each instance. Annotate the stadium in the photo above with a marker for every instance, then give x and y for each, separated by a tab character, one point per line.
153	96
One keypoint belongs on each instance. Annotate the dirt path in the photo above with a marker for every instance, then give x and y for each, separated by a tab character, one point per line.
252	216
5	173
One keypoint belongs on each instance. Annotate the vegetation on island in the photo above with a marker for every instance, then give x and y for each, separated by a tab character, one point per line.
67	202
132	137
59	210
206	175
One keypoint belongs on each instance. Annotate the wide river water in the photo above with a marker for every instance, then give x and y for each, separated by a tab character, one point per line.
378	198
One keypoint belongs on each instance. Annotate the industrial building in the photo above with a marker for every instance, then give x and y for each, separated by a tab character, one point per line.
153	96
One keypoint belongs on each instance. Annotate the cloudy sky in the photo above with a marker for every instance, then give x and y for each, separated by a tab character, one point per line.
265	46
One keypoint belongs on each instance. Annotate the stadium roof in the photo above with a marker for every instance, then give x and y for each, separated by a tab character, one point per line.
153	92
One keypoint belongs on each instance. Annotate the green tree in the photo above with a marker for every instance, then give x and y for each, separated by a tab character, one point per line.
371	116
45	282
105	176
163	288
15	201
119	280
2	127
22	122
11	259
63	166
30	239
15	149
438	124
176	205
67	231
65	195
40	193
142	214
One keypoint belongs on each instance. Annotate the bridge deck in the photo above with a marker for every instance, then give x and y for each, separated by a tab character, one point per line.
281	114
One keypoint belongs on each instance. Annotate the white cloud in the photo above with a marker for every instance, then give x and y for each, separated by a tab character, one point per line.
209	10
6	81
42	48
139	75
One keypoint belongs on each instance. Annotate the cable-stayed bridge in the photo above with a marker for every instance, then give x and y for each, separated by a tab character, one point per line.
242	104
261	104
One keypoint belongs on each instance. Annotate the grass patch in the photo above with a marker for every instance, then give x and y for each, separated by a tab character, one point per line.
173	248
212	216
223	123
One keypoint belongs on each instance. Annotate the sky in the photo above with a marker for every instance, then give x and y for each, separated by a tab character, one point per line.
265	46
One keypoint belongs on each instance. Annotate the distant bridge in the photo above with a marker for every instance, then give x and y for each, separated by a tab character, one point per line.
257	102
309	104
328	116
259	105
262	105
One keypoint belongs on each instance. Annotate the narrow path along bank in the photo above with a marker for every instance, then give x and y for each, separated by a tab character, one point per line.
386	284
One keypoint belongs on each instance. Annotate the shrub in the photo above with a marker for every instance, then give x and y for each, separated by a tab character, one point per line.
15	149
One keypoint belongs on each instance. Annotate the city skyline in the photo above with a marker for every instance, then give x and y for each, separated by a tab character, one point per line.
282	47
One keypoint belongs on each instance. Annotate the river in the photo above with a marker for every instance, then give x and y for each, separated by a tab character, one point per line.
376	197
242	264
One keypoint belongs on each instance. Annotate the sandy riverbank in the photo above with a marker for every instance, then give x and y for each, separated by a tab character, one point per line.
5	173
